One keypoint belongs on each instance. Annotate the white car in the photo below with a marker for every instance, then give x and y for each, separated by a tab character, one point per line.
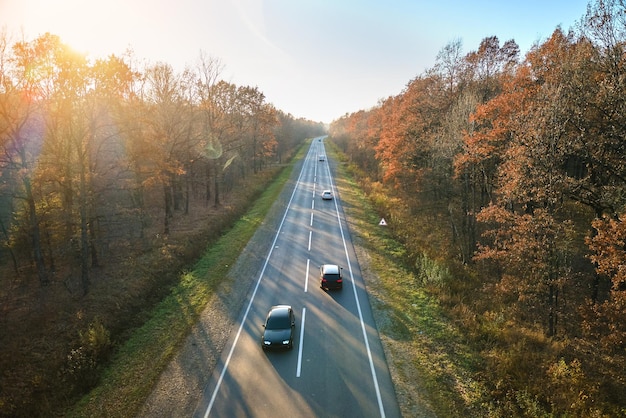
322	157
327	195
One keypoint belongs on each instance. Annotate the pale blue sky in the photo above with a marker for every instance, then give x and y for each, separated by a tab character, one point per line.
317	59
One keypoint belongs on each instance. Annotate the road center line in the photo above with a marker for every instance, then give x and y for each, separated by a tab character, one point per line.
311	224
310	235
306	278
299	368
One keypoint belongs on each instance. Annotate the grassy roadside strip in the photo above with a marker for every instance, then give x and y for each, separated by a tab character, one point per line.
138	364
431	367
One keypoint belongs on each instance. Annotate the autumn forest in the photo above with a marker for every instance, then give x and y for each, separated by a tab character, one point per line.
111	173
511	172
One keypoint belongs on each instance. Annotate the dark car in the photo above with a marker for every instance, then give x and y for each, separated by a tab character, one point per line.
331	277
279	327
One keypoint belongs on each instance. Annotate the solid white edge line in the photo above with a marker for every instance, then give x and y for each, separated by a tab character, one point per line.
299	368
256	287
381	408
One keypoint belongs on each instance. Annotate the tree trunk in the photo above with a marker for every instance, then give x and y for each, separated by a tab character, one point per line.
35	235
13	258
92	244
216	185
208	183
84	236
168	208
551	311
187	192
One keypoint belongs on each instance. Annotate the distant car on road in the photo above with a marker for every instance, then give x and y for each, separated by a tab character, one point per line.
327	195
279	328
322	157
331	277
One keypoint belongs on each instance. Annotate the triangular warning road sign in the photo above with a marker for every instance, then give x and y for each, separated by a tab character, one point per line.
382	222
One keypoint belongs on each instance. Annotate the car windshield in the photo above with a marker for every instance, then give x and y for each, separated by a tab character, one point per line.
278	321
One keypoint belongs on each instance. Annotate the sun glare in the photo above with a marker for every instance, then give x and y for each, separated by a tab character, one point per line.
88	26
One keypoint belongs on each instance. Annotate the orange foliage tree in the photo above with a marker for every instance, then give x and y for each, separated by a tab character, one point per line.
408	131
609	254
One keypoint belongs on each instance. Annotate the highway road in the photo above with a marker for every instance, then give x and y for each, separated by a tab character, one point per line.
337	367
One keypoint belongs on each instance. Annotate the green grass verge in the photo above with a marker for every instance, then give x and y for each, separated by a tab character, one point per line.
145	355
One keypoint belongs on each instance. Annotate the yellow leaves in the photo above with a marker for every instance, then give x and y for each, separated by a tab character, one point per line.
609	249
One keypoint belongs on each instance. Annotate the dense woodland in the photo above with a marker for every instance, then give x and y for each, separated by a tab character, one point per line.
112	174
511	171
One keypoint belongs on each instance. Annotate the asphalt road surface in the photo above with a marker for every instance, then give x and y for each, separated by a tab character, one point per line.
337	367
